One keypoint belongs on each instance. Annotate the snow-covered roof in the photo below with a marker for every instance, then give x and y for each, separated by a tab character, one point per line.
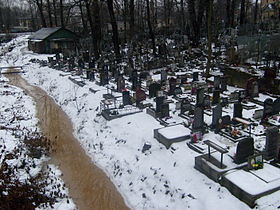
43	33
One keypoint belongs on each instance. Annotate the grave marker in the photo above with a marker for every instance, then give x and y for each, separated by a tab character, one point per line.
271	143
245	149
217	115
267	108
216	97
198	122
237	110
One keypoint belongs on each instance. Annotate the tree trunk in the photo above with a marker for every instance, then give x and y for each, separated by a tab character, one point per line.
242	12
49	13
97	24
232	13
228	14
85	29
131	19
93	37
115	37
152	35
39	4
55	13
209	26
183	24
193	22
61	13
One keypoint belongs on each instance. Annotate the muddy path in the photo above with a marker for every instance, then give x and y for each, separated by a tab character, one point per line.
88	185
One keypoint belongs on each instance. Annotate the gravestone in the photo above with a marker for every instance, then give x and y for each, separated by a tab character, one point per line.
91	64
195	76
172	85
244	149
198	122
276	106
234	96
271	143
126	98
104	80
134	80
237	110
81	63
153	89
225	121
92	75
164	110
86	56
206	101
252	88
241	95
216	97
217	82
177	91
199	97
163	75
217	114
185	106
120	83
224	84
159	102
258	114
224	101
140	95
267	108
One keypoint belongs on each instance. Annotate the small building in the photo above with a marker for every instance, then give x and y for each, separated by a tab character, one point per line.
53	40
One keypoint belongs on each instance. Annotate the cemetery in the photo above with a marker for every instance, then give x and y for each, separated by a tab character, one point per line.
189	107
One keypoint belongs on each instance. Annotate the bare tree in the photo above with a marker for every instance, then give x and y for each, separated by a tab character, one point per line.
151	32
115	37
49	13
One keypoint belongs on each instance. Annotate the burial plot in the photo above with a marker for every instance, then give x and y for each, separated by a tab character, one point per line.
237	110
216	116
199	97
198	122
268	108
271	143
244	149
216	97
276	106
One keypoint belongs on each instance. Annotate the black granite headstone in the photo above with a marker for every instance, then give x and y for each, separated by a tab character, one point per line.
224	101
216	97
185	106
172	85
217	82
199	97
268	108
164	110
163	75
126	98
223	84
206	101
153	89
276	106
237	110
198	122
217	114
120	83
271	143
245	149
195	76
159	102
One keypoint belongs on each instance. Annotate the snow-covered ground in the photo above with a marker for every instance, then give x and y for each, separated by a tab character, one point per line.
156	179
18	123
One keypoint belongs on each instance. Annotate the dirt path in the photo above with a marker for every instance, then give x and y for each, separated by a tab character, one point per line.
89	186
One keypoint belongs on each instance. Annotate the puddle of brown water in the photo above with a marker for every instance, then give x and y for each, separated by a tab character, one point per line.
88	185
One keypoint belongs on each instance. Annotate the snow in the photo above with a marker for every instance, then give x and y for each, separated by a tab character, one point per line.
159	179
173	132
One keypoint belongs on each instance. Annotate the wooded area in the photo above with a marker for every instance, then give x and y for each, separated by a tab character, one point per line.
109	23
